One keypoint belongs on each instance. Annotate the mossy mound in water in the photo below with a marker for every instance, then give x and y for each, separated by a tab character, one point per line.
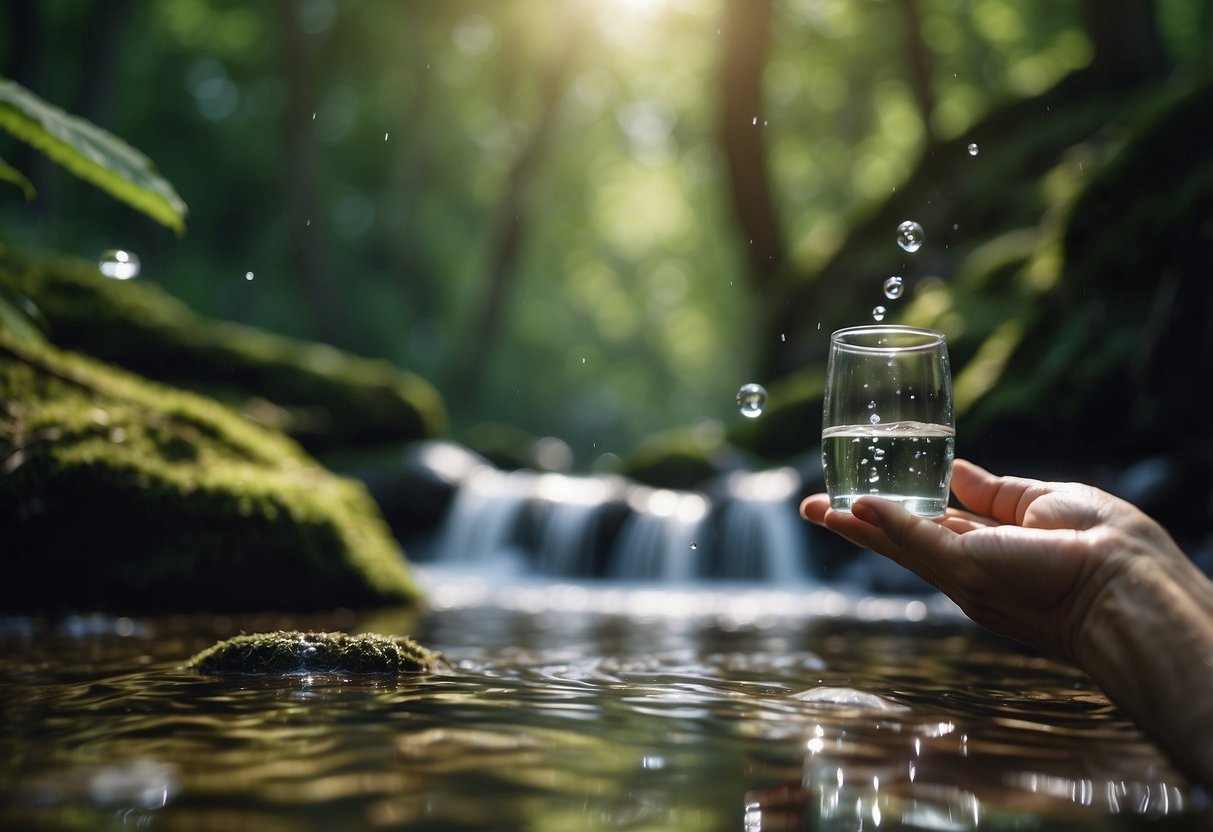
323	397
296	652
118	493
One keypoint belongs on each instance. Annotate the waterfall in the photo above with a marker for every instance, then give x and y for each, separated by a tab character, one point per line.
745	527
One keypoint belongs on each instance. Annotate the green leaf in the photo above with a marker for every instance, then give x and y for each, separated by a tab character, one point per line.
91	153
10	174
17	323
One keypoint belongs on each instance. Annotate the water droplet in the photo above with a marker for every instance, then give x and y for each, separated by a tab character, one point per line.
874	419
894	287
878	454
878	313
119	264
973	149
751	399
910	236
248	275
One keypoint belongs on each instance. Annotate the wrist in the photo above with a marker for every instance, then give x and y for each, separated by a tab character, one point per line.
1147	641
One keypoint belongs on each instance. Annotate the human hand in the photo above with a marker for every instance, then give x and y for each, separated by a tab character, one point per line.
1072	571
1029	561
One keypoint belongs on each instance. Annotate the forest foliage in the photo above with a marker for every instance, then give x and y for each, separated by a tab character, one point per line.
594	220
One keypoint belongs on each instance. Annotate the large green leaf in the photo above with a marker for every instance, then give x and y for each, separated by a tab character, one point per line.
90	153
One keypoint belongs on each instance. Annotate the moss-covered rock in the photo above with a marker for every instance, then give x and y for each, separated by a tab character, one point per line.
323	397
119	493
289	652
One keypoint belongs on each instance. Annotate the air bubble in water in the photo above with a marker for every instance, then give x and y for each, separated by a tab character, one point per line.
874	476
878	454
872	405
248	275
694	546
910	236
878	313
751	399
874	419
973	149
894	287
119	264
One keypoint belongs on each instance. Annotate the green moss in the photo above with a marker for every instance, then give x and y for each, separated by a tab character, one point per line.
683	458
295	652
119	493
323	397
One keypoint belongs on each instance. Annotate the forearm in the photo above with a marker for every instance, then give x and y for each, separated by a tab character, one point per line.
1149	646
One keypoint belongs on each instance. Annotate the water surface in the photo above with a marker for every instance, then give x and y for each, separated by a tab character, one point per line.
577	708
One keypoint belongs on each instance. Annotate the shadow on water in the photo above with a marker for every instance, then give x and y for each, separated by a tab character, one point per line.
578	706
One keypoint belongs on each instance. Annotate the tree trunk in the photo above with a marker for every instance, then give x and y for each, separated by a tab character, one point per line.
747	27
490	304
307	252
1124	34
919	59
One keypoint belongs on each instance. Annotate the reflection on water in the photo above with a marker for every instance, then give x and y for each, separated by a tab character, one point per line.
576	708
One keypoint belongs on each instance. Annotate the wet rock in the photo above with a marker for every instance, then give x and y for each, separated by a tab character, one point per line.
120	494
293	652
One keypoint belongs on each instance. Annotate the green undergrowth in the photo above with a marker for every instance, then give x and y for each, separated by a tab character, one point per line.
291	652
324	397
120	493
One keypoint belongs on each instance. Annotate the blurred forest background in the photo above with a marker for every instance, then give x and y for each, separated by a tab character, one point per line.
597	219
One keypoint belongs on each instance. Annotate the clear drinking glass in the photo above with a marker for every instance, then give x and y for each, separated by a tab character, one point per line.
888	428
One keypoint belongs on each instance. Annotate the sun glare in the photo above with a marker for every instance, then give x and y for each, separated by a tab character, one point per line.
643	6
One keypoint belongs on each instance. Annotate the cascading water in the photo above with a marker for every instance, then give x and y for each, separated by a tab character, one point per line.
525	522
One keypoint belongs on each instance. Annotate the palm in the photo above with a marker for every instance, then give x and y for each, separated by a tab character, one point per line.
1017	563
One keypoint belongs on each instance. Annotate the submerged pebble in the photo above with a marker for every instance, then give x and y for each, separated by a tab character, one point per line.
290	652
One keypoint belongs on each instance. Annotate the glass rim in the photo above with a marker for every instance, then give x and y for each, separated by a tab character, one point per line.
930	338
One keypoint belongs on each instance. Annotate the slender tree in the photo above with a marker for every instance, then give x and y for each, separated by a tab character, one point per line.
308	255
747	26
510	223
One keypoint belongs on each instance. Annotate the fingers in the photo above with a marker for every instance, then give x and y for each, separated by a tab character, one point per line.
1005	499
918	543
814	508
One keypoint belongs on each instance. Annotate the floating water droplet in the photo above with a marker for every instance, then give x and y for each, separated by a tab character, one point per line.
973	149
751	399
119	264
878	454
874	419
248	275
910	236
878	313
894	287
